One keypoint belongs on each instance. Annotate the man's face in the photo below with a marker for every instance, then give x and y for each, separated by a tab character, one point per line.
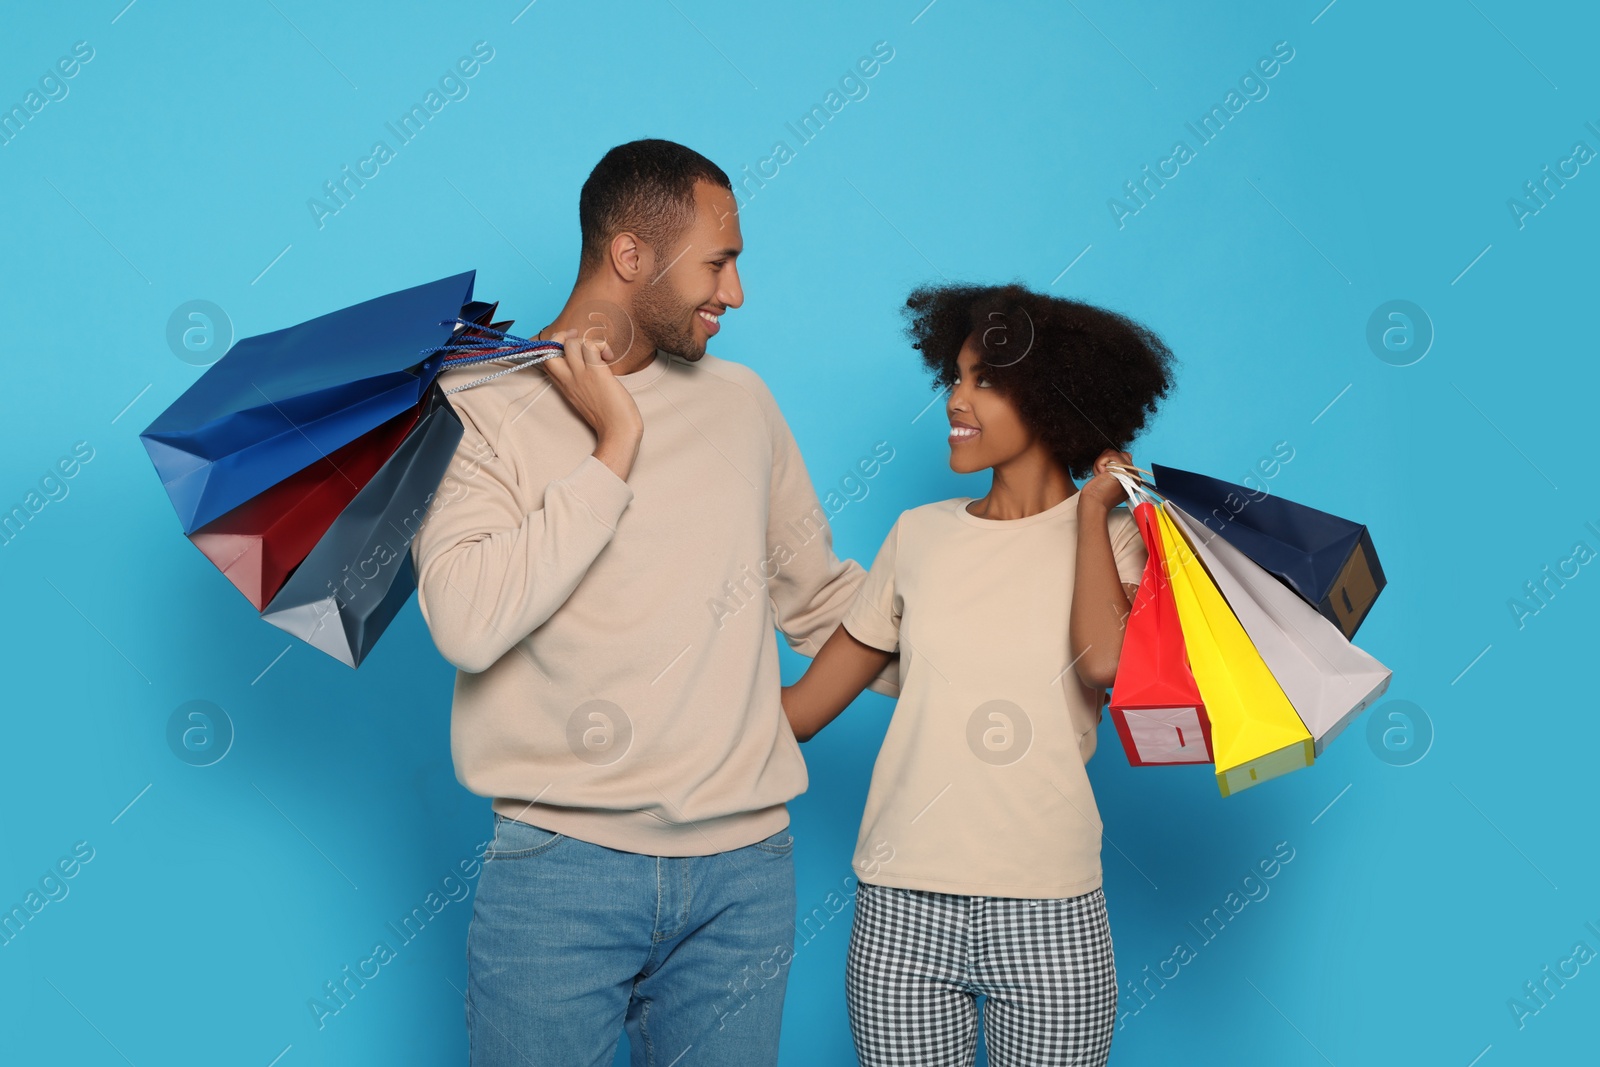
695	279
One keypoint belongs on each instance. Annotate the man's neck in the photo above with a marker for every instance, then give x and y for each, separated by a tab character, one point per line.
597	317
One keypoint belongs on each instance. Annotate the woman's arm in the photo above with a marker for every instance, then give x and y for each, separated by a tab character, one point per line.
837	676
1100	599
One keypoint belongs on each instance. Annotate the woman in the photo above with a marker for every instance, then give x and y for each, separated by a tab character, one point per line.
979	850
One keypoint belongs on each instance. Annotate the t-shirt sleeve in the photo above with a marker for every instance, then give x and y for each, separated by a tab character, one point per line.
1127	547
873	617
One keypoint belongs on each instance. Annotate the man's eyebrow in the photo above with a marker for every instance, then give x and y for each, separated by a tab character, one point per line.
724	253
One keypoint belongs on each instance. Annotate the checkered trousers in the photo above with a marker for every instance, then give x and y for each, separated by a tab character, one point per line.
917	961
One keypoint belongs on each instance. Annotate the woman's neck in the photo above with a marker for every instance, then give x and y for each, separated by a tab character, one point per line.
1024	485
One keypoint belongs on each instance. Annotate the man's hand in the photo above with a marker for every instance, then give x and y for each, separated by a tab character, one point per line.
583	374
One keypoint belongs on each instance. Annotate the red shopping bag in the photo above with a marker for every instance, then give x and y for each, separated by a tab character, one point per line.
260	542
1155	702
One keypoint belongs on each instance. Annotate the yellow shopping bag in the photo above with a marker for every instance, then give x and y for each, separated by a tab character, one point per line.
1255	733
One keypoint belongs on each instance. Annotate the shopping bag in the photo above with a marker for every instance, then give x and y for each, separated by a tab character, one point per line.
259	542
1329	561
1155	704
322	548
277	402
1255	733
1328	680
350	586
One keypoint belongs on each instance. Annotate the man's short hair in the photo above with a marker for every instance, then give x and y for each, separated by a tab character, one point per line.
642	187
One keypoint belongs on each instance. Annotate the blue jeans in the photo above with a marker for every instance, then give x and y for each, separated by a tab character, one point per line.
571	942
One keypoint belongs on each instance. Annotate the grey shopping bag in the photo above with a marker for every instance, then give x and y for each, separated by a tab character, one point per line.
1327	679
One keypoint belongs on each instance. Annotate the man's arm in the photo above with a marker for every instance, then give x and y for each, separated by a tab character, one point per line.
490	573
812	590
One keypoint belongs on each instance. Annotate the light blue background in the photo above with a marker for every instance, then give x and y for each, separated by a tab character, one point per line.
1378	167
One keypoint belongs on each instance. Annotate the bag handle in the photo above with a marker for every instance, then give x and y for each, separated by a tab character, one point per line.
1132	488
485	343
1141	493
1127	467
1137	491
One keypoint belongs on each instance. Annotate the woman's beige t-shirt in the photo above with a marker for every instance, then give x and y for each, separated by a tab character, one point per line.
980	786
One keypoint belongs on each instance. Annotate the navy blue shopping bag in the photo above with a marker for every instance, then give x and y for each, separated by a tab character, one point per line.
344	594
1329	561
278	402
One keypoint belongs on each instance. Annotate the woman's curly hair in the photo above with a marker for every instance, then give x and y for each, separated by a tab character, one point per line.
1084	379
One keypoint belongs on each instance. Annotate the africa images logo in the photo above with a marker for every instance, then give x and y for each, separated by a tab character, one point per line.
452	86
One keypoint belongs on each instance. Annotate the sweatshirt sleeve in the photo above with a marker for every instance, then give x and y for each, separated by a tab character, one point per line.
489	573
813	589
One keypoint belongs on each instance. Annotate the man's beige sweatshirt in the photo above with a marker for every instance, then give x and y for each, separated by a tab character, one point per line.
617	664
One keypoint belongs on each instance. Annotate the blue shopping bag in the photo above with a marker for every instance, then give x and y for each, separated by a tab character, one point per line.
277	402
1329	561
324	383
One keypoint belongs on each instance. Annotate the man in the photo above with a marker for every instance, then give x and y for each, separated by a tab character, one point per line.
604	564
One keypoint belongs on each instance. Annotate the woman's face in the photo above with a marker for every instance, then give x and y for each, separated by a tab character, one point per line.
985	430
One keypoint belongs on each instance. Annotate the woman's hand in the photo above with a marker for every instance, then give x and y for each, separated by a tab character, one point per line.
1103	489
785	701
